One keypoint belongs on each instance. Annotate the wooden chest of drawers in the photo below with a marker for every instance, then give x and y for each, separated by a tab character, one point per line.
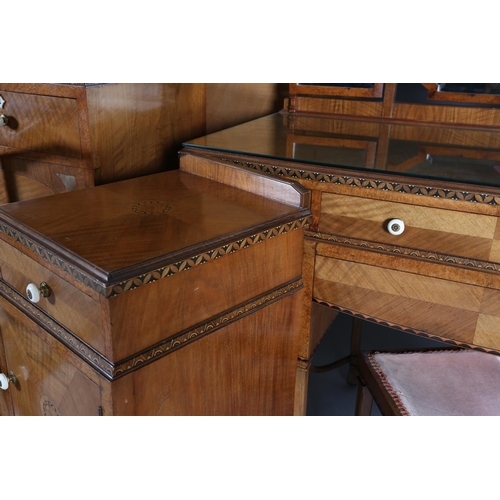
61	137
166	294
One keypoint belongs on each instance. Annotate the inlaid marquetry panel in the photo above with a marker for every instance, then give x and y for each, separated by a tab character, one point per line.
407	285
452	310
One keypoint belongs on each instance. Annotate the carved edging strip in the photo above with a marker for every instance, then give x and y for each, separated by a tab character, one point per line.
405	329
410	252
360	182
110	370
387	385
52	259
163	272
205	257
214	324
99	362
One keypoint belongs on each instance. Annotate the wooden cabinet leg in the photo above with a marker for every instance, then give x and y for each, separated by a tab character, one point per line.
301	383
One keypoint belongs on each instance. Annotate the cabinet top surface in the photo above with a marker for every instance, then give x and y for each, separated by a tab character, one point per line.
117	228
445	153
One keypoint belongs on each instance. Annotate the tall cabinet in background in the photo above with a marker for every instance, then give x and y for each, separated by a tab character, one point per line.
62	137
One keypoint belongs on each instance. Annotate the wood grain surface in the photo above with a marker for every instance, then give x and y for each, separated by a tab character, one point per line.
436	230
68	305
48	383
247	368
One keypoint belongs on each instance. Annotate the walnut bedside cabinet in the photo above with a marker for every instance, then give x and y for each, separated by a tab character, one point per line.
168	294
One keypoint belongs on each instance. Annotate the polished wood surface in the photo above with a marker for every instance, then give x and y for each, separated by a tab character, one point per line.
235	175
229	104
41	123
147	276
440	278
62	137
437	230
247	368
27	178
134	221
416	104
48	383
66	304
136	129
246	274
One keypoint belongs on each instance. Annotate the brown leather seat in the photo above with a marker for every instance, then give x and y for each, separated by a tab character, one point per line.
429	382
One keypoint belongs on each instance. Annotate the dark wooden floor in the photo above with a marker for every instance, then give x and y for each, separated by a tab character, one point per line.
329	393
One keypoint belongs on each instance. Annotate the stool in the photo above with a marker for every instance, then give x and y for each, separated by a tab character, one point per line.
429	382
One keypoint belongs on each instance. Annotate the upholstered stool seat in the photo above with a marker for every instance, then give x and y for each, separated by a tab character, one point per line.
430	382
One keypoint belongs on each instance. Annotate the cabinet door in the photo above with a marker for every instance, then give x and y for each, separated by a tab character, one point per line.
48	383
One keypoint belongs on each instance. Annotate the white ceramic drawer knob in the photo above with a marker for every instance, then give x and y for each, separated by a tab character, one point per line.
34	293
5	380
3	120
396	226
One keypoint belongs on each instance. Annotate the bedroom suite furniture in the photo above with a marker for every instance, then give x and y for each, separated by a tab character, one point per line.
61	137
167	294
405	196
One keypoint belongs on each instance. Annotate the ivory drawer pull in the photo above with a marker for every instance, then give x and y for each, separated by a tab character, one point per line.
5	380
396	226
34	293
3	120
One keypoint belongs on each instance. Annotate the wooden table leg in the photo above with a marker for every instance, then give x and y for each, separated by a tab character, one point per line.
357	327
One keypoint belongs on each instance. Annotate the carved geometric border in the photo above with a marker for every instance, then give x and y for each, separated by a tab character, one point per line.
52	259
156	274
110	370
411	252
87	353
360	182
404	329
186	337
205	257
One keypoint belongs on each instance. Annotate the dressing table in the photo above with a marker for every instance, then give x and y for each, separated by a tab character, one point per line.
405	228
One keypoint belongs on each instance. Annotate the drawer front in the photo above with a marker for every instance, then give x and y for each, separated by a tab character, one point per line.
453	310
69	306
40	123
24	179
468	235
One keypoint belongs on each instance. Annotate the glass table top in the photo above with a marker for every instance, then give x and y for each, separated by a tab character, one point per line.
457	154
